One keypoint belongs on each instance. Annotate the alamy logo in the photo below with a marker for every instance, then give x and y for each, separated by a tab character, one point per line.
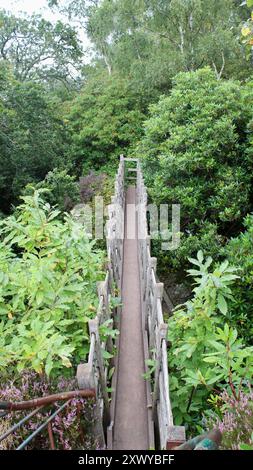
158	222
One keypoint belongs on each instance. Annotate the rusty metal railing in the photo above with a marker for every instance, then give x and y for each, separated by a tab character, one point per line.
40	404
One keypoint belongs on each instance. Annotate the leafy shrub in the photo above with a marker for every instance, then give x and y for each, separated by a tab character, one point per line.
96	184
62	189
196	152
48	273
33	139
239	252
205	353
104	121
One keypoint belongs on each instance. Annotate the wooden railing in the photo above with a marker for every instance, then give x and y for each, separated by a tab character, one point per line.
94	373
155	329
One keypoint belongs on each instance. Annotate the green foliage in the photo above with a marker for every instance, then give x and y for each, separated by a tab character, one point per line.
62	189
38	49
104	123
196	152
33	140
48	272
239	252
150	41
205	353
247	31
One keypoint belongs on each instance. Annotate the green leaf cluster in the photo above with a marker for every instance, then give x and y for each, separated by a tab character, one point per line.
48	273
197	152
205	353
33	139
105	121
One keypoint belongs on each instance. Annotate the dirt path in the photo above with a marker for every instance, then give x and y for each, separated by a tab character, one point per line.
131	421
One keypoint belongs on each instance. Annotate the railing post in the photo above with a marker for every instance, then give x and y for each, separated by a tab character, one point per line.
158	294
93	327
176	437
102	288
162	335
86	379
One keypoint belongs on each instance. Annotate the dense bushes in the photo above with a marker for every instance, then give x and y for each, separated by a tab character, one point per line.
239	252
33	140
61	189
105	121
206	356
196	152
48	271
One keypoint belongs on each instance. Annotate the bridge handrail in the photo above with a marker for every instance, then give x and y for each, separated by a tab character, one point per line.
95	371
153	323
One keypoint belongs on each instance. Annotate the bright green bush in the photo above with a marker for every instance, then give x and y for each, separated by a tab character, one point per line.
33	139
205	354
48	274
196	152
239	252
104	121
62	189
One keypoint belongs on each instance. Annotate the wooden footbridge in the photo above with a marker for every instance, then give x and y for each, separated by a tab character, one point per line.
138	413
131	388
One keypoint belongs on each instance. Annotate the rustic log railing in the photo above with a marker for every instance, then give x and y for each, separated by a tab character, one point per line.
154	328
94	373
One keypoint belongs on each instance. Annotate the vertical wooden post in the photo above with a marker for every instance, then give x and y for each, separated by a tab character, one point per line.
158	294
86	379
93	327
176	437
102	288
162	334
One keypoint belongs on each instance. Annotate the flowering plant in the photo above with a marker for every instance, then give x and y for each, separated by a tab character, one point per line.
236	421
71	428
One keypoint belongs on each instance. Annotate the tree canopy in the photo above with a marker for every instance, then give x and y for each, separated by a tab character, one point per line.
197	152
39	50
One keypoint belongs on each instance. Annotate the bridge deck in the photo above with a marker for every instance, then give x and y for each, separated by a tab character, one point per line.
131	417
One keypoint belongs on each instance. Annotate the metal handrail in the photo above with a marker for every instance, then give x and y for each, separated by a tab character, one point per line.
40	404
42	426
20	423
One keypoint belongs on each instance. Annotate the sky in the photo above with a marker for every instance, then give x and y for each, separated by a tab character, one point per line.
38	6
29	6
